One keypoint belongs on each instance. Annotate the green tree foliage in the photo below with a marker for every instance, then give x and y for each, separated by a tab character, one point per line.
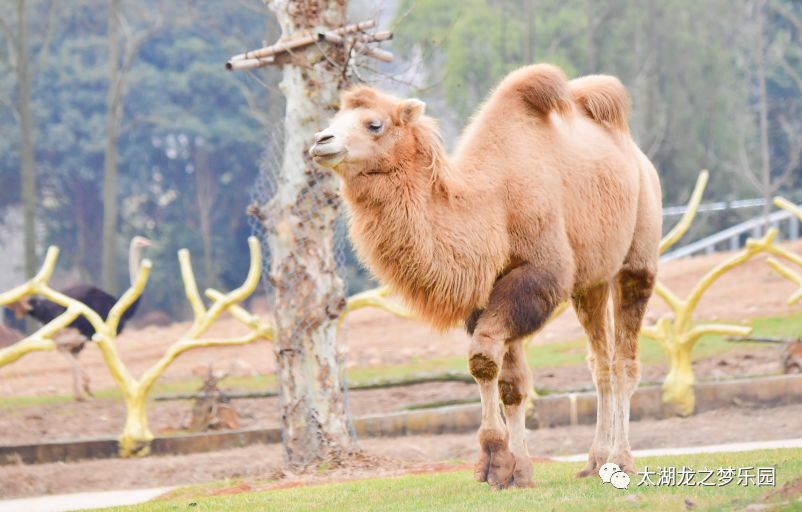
189	141
191	135
684	63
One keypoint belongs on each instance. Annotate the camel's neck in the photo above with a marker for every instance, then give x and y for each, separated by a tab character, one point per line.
416	232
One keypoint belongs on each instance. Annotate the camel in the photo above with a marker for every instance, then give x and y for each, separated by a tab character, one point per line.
545	198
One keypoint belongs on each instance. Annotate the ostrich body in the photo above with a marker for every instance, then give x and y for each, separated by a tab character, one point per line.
72	339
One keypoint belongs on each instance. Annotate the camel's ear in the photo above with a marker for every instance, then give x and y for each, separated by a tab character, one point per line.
410	110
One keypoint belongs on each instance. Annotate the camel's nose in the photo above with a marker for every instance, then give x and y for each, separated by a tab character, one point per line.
323	137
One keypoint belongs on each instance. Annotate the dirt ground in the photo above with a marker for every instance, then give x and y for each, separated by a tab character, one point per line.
395	454
105	417
373	337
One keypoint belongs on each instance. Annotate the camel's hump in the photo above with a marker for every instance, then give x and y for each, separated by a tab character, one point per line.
543	87
604	98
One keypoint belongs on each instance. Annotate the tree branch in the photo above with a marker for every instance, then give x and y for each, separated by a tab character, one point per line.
788	14
794	154
11	107
746	170
44	50
11	43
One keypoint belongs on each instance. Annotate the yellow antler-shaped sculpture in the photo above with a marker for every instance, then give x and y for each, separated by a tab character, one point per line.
676	332
374	298
136	435
38	285
778	267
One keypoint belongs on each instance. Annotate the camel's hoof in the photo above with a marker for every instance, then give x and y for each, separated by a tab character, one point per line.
497	468
595	462
625	462
500	475
522	478
481	467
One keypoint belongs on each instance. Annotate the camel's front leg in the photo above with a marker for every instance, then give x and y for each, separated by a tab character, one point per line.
520	303
514	385
496	463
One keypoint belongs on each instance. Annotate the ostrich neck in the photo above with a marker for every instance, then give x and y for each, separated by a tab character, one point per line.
134	257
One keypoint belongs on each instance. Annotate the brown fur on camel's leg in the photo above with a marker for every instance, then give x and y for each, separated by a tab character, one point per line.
591	310
520	303
514	385
632	291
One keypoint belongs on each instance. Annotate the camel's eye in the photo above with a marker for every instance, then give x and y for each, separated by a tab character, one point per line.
375	126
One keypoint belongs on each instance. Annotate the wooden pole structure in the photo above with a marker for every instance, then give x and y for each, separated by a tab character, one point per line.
352	37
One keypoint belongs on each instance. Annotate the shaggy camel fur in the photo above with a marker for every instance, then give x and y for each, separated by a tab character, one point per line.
546	197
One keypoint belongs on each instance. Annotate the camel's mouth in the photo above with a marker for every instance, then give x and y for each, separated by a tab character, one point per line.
328	155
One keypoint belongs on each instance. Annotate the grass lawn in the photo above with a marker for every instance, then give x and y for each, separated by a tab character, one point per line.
564	353
556	489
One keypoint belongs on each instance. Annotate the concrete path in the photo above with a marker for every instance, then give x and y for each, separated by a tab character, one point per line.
82	500
690	450
90	500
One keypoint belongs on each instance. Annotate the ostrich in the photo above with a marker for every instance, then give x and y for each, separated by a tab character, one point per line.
71	340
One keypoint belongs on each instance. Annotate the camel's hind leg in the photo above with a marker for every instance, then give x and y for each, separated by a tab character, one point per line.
591	309
521	301
633	287
514	384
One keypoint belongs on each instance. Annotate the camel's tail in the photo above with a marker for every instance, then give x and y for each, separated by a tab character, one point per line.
543	87
604	98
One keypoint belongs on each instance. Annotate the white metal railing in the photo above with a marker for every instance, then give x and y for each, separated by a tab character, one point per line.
717	206
735	237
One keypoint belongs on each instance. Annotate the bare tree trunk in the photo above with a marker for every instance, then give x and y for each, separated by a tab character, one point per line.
302	215
765	155
79	206
28	170
113	114
205	192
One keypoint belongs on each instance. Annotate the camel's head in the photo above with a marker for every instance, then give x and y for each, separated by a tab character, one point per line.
368	129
